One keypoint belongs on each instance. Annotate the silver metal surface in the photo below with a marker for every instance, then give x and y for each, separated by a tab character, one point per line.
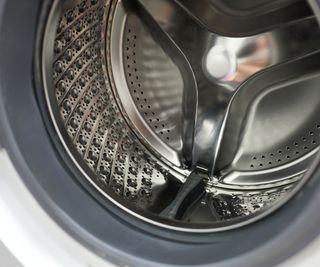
211	98
153	107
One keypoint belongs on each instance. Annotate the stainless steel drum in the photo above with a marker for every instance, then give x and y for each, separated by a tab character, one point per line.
182	115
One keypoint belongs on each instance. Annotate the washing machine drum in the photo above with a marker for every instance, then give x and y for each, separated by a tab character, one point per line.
181	132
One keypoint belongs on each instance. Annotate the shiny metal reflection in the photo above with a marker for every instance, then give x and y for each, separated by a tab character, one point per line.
179	125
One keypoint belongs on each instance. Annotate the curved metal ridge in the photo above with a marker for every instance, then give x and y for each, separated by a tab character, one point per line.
177	124
206	101
226	19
